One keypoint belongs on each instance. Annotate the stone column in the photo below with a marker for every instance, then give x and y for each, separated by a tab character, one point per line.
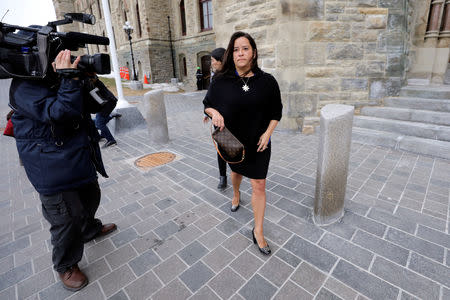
156	117
332	166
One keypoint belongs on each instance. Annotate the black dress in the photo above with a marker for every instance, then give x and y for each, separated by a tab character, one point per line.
247	115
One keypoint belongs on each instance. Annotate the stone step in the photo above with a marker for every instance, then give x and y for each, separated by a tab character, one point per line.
441	105
406	114
429	131
440	149
428	91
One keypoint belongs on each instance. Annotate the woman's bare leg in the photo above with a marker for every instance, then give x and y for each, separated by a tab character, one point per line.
236	180
259	207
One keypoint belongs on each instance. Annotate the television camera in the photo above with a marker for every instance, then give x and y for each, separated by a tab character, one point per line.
27	52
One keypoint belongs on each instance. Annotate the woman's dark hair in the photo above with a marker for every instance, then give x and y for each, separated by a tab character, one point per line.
218	54
228	67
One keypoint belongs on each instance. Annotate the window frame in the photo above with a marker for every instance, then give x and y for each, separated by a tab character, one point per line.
209	15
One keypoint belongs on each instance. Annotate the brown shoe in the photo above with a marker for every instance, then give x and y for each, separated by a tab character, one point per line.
106	229
73	279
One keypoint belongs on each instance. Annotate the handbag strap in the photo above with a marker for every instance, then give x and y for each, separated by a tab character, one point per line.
220	154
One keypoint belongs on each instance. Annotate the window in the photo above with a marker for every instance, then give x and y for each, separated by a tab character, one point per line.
183	18
184	67
99	9
206	14
105	47
439	19
138	20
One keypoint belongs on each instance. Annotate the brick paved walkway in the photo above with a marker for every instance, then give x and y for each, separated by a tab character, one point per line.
177	238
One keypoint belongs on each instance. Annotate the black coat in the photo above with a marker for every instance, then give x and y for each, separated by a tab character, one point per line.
55	136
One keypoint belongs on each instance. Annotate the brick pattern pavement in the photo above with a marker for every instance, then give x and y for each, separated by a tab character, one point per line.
177	238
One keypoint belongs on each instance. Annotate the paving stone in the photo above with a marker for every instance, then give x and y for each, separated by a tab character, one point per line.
236	244
26	230
381	247
218	258
346	250
121	256
99	250
291	291
6	264
364	282
170	268
325	294
302	228
205	293
55	292
14	246
92	291
15	275
168	247
364	223
143	287
226	283
274	214
144	262
149	190
165	203
6	238
289	258
308	277
420	246
407	280
291	207
434	236
124	237
229	226
243	215
120	295
283	180
174	290
130	208
411	215
430	269
167	229
341	229
9	293
188	234
35	283
276	270
446	293
145	242
96	269
340	289
206	223
113	282
311	253
258	288
212	238
246	264
392	220
196	276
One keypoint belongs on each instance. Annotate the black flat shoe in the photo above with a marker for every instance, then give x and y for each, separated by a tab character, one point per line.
266	250
222	183
236	207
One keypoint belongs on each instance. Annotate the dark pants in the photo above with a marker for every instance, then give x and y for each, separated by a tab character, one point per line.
100	123
222	166
71	215
199	84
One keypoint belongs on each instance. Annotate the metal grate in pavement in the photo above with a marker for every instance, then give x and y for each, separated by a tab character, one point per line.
154	160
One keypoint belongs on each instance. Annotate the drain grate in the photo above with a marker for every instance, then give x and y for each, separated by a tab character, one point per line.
154	160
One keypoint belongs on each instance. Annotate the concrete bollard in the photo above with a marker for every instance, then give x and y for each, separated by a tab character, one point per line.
336	122
156	116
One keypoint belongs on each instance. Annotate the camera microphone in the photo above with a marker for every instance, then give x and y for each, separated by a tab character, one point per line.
84	38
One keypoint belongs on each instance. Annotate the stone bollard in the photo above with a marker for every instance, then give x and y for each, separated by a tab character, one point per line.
156	116
332	165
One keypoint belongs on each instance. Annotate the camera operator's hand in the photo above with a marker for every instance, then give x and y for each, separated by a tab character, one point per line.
62	61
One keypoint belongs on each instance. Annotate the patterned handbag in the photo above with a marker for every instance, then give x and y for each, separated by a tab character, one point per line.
227	145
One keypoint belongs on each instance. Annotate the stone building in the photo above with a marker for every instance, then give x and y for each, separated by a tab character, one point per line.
321	51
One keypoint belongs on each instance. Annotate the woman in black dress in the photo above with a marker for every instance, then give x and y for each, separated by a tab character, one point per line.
247	101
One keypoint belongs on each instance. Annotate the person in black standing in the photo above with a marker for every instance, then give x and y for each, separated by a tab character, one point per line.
248	102
216	66
199	76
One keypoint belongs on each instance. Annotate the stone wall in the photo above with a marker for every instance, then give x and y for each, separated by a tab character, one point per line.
323	51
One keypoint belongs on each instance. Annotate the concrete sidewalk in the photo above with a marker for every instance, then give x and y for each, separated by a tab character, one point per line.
177	238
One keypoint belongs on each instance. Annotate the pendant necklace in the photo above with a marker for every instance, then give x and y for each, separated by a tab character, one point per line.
245	86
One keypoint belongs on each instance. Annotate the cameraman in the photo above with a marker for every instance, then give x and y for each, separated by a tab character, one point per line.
58	144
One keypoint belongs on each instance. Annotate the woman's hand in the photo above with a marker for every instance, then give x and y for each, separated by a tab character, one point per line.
218	120
263	142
